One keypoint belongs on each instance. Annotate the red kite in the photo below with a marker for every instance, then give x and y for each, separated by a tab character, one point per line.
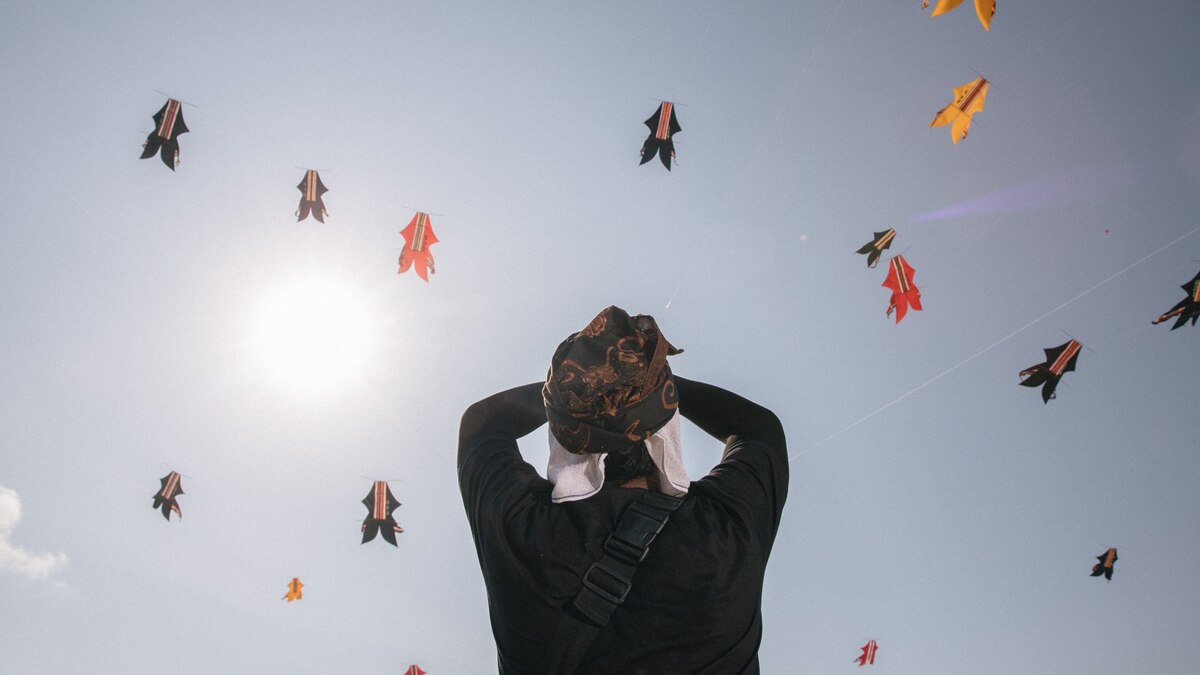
414	670
868	655
418	237
904	293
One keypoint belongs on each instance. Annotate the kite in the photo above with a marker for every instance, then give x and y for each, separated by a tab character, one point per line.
380	503
985	9
165	497
968	100
875	247
663	126
414	670
168	124
418	237
295	590
1105	566
1059	360
1188	308
904	293
868	655
311	189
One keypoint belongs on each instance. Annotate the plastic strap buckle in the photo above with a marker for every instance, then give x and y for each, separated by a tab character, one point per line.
612	589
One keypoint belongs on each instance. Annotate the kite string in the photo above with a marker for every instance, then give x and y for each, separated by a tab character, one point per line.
983	351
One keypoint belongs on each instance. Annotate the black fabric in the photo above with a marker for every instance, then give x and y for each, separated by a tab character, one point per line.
695	602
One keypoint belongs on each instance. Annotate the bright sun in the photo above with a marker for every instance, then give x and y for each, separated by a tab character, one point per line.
313	334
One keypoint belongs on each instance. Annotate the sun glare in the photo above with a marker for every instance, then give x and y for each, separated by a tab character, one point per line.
312	334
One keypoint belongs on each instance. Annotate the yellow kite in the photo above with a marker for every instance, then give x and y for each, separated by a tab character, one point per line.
295	591
968	100
986	9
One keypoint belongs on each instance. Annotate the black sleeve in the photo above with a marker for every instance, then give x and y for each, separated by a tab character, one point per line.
753	474
491	472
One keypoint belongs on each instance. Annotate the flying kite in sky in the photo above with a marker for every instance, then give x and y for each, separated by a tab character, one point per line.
1105	566
380	503
1188	308
663	126
968	100
295	590
168	124
904	293
875	247
311	189
165	497
985	9
1059	360
414	670
418	237
868	655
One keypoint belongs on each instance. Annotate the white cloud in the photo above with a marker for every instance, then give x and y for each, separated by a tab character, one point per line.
15	559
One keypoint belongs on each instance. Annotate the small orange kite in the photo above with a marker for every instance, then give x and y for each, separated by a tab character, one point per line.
295	590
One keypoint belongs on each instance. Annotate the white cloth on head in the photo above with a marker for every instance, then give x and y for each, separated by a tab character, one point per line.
580	476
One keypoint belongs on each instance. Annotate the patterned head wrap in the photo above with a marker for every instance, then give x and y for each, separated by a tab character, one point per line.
609	385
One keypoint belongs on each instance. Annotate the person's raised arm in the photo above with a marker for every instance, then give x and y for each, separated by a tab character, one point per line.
727	416
509	415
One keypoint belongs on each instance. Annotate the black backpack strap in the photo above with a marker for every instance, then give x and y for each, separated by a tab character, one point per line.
608	580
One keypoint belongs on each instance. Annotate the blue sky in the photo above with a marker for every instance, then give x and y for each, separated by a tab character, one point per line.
936	506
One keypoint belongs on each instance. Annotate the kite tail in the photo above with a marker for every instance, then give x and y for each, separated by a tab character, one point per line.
389	531
665	152
369	531
150	146
1177	310
302	211
1040	375
872	254
1034	377
649	149
406	261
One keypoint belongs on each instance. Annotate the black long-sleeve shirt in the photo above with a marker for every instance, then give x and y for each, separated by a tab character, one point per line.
695	603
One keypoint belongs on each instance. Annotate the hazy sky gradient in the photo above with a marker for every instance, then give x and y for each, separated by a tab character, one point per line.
956	525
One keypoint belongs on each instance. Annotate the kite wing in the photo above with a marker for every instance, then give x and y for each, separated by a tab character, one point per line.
295	590
311	189
663	126
168	125
418	237
171	487
984	9
1105	566
904	293
1059	360
874	248
1188	308
868	653
380	504
968	100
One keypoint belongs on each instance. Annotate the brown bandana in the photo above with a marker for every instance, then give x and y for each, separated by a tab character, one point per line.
609	385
